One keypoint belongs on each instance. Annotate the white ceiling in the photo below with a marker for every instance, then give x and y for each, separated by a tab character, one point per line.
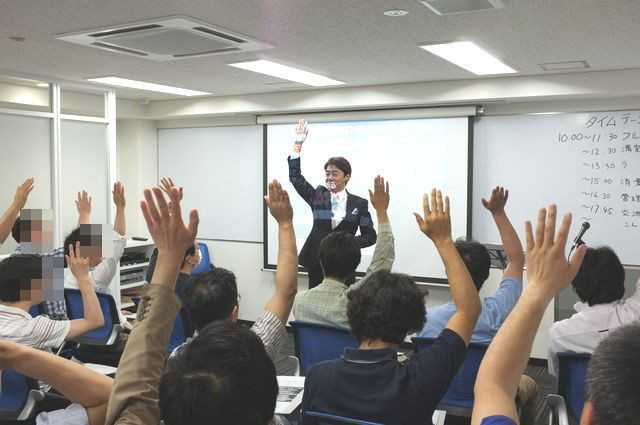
349	40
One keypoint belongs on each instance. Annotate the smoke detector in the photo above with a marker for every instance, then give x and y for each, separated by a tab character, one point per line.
450	7
165	39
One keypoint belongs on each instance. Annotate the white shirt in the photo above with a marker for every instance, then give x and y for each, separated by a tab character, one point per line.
102	275
338	207
39	332
582	332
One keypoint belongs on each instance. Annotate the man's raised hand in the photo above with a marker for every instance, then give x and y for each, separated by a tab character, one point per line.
167	184
301	131
498	200
380	195
278	203
548	270
118	195
78	265
436	222
167	228
22	194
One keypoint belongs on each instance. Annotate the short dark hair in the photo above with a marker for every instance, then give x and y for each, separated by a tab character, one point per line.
387	306
16	273
211	296
600	279
477	259
339	254
191	251
223	376
85	239
15	230
340	163
613	376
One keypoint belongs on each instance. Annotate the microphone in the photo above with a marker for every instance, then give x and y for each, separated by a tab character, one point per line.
578	240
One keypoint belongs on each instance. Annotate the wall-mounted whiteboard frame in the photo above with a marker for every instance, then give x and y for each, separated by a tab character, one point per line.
361	116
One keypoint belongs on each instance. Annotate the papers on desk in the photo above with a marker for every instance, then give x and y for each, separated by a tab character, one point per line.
290	394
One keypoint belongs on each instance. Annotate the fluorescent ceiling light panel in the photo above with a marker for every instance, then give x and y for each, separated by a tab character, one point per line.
467	55
287	73
141	85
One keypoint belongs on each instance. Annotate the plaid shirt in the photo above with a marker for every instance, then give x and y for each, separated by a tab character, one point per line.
56	309
327	302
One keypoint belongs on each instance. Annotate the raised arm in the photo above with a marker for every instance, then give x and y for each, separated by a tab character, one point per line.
280	208
83	204
93	318
120	223
436	224
508	235
19	200
134	398
548	273
302	186
74	381
384	253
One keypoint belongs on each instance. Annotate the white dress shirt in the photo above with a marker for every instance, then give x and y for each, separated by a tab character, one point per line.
582	332
338	207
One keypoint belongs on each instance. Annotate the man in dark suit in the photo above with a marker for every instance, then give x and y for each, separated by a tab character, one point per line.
334	209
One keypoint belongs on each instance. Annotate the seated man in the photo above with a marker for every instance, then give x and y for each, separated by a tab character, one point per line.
227	377
213	295
369	383
548	273
27	280
339	256
600	286
496	308
190	260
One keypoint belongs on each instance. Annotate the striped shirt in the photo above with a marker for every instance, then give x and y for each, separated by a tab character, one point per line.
39	332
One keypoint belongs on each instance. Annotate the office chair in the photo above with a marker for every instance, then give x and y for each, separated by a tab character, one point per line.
317	342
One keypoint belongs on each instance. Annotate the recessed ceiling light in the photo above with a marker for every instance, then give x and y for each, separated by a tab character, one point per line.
396	12
560	66
467	55
142	85
287	73
43	85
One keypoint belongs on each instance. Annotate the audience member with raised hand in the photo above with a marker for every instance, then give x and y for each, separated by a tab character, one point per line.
548	272
339	256
87	390
602	308
134	398
83	205
369	383
19	200
25	280
213	295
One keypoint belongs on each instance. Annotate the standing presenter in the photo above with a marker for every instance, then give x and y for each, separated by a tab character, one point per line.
334	209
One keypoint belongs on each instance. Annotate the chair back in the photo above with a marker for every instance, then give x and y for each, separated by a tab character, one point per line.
182	329
572	381
34	310
107	334
205	263
318	418
15	400
317	342
460	392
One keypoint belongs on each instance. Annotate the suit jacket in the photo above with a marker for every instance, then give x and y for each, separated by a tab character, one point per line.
357	214
134	396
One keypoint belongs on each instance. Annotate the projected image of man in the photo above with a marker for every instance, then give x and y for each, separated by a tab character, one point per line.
334	208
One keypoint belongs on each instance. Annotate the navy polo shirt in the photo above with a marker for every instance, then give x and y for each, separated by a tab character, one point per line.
372	385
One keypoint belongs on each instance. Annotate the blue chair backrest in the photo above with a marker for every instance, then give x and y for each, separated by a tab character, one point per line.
316	342
75	310
182	329
14	394
572	380
205	263
318	418
460	391
34	310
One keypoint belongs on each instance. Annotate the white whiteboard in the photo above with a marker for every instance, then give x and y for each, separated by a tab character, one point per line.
586	163
220	169
414	155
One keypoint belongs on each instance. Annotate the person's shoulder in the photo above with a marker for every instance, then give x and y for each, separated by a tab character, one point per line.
357	198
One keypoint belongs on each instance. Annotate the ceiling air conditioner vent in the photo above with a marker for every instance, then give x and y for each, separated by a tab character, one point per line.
450	7
166	39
